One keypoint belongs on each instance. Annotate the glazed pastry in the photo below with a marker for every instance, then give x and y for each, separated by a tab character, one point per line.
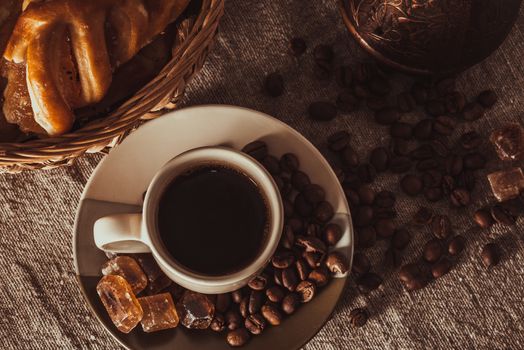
69	49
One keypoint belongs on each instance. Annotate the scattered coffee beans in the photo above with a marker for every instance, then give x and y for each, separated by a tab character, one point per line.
358	317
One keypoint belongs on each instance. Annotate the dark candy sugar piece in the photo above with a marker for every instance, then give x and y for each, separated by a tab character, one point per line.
509	142
506	184
195	310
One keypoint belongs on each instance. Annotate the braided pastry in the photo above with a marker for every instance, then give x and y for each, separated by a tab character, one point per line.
68	51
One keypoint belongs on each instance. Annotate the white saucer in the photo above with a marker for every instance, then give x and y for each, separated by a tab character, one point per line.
119	181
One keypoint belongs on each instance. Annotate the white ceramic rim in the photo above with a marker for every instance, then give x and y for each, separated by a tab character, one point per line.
205	156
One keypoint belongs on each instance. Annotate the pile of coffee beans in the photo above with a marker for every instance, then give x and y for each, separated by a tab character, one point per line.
303	264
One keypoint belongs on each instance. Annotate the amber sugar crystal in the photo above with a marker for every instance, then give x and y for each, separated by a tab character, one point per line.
159	312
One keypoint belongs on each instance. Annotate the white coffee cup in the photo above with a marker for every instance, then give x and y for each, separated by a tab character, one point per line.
138	233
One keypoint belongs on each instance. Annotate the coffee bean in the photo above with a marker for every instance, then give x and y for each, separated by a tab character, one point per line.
300	180
322	111
361	263
275	294
376	103
455	102
314	193
379	159
233	320
289	211
444	125
384	213
313	229
302	207
405	102
411	184
428	164
338	141
385	228
223	302
423	216
441	226
290	278
385	199
255	324
351	196
244	307
490	255
298	46
514	206
256	149
337	263
502	215
483	218
237	337
311	244
435	107
289	163
474	161
306	291
433	251
366	194
379	86
256	299
445	86
368	282
274	84
288	237
401	130
361	91
237	296
290	303
387	116
456	245
332	234
347	101
401	239
413	277
358	317
324	212
487	98
433	194
344	76
281	260
319	276
460	197
272	315
420	93
313	259
323	52
271	164
473	111
218	323
367	236
431	178
303	269
350	157
363	215
423	130
399	164
366	172
441	268
440	147
392	258
422	152
454	164
277	277
470	140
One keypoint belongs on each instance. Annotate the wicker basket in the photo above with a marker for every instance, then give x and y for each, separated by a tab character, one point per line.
192	45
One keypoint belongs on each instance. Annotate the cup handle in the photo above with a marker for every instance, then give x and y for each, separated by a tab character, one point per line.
121	233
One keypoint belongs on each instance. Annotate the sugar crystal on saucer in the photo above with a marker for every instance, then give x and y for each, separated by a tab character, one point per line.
506	184
129	269
120	302
195	310
159	312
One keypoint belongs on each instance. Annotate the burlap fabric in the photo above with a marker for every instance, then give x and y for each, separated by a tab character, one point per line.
41	306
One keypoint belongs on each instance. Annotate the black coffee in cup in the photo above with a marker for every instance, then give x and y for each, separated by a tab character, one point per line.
213	220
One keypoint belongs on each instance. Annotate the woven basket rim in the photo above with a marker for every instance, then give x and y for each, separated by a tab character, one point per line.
147	103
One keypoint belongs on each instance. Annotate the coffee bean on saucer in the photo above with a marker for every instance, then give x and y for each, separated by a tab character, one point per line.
223	302
313	259
237	296
290	278
314	193
302	207
379	158
405	102
275	294
271	164
256	299
387	116
303	269
298	46
256	149
411	184
255	324
456	245
313	229
274	84
244	307
332	234
358	317
311	244
401	238
272	315
487	98
433	251
490	255
319	276
361	263
306	291
337	263
344	76
299	180
233	320
338	141
237	337
277	277
282	260
290	303
347	101
441	268
289	163
322	111
218	323
368	282
441	226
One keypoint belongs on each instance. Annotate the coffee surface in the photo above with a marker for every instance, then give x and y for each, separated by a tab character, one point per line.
213	220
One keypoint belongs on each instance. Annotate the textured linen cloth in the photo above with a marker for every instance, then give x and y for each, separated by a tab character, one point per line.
41	306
